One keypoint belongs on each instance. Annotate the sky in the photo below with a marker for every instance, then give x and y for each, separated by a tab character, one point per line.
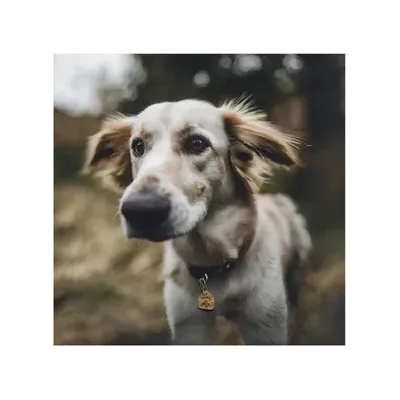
78	79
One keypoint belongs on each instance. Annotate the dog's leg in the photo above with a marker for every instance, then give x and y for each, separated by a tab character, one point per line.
260	325
187	323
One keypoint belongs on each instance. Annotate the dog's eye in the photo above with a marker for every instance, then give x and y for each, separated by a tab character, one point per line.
196	144
138	147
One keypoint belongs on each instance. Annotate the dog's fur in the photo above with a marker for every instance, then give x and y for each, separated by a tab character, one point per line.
215	212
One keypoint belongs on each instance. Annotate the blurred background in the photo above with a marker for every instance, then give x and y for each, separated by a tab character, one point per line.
108	289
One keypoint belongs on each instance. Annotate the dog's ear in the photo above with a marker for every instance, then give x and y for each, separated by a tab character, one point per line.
107	152
255	144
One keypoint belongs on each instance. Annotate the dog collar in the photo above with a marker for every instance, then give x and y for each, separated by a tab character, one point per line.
209	272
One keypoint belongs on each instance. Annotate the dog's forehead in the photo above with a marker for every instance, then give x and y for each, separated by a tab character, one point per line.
174	115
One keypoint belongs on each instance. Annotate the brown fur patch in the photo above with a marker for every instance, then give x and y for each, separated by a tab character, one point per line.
256	143
108	152
144	134
198	190
183	133
147	181
173	274
180	136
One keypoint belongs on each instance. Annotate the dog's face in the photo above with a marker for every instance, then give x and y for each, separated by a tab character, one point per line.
177	153
174	160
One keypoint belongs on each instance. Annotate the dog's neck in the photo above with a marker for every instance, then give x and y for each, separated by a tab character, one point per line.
220	237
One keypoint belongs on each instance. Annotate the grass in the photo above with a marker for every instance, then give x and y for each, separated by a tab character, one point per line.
108	289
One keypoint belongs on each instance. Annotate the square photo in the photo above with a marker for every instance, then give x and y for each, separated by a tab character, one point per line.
199	199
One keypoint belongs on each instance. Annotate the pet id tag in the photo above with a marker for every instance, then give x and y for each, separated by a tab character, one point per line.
206	299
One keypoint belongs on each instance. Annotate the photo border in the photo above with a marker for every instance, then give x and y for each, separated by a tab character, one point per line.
218	348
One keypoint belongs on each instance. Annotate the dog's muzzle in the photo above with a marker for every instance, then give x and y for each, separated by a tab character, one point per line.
145	210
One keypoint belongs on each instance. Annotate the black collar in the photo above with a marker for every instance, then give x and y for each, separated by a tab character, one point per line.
210	272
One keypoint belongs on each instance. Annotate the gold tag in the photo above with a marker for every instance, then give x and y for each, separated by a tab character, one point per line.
206	301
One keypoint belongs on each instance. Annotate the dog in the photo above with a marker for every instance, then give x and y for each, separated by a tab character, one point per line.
190	174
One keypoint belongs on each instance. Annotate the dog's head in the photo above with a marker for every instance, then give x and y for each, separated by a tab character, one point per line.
174	161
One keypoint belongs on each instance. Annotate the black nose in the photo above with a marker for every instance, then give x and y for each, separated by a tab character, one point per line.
145	210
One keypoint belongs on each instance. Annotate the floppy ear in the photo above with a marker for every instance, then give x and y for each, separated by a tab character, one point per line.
107	152
255	144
